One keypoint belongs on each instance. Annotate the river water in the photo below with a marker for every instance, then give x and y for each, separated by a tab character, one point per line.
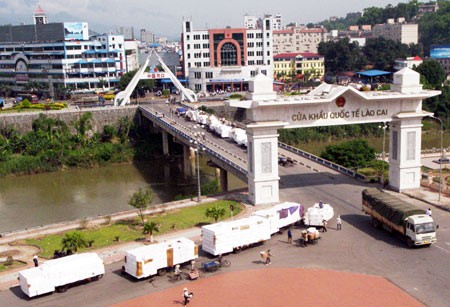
28	201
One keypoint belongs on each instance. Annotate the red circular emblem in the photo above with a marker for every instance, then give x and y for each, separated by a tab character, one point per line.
340	102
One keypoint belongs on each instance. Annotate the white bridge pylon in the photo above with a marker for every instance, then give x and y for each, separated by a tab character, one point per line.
123	98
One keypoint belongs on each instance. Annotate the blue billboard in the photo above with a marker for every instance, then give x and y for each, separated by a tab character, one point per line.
440	51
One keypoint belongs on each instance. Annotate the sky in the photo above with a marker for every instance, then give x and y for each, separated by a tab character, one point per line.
164	18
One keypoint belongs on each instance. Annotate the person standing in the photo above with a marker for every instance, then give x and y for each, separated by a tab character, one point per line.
338	223
324	227
289	234
187	296
429	212
35	260
268	257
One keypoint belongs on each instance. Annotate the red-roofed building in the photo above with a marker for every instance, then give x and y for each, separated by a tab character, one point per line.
298	39
409	62
303	65
39	16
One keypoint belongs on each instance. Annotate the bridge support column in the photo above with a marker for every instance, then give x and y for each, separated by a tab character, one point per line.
405	150
222	177
187	161
165	139
192	160
262	154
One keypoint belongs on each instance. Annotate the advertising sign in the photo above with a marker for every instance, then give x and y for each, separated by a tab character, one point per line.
440	51
76	31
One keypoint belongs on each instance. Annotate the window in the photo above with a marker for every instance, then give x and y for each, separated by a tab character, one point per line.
268	53
259	44
250	45
187	37
197	75
197	55
205	46
205	36
228	53
209	75
259	53
205	64
198	64
197	37
251	62
197	46
253	73
250	35
259	35
198	87
188	46
206	54
251	53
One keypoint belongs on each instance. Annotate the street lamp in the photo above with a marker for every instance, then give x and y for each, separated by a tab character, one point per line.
383	154
441	160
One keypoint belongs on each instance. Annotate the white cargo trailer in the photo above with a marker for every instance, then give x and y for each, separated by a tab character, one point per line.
315	215
281	215
154	259
58	274
225	237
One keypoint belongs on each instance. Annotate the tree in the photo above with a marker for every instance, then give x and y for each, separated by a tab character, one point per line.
150	228
433	72
83	125
140	200
382	52
73	241
215	212
356	153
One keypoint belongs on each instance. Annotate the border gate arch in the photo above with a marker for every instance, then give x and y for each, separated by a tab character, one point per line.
329	105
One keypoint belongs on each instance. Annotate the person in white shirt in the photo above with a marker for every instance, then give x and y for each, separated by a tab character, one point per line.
429	211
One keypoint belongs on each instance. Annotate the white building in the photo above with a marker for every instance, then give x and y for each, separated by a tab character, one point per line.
226	58
147	37
405	33
410	62
253	22
298	40
59	54
131	55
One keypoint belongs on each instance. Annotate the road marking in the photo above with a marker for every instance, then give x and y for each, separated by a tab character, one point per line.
445	250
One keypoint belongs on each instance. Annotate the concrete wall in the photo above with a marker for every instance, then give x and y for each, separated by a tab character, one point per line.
22	122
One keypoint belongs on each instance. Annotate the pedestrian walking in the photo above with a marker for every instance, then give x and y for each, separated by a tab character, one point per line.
35	260
338	223
187	296
289	234
324	227
268	257
429	213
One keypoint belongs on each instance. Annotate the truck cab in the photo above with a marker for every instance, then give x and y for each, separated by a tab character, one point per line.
420	230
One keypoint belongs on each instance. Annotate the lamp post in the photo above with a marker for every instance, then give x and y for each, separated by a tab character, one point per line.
383	154
197	144
441	159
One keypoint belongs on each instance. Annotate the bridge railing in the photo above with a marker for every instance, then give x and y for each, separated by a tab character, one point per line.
324	162
191	139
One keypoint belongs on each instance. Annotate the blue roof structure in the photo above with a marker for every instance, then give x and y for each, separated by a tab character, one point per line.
373	73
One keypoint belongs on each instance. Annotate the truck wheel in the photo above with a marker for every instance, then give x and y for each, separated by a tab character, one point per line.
62	289
162	272
376	223
409	242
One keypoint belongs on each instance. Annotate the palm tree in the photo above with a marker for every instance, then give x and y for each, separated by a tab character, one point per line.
74	241
215	212
150	228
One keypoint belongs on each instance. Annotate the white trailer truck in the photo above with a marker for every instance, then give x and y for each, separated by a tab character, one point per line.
156	258
397	215
225	237
281	215
58	274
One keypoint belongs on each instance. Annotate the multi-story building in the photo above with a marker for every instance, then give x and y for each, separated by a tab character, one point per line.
127	32
131	55
59	54
253	22
301	65
405	33
298	39
226	58
147	37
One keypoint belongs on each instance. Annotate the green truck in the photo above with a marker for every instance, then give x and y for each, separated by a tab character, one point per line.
397	215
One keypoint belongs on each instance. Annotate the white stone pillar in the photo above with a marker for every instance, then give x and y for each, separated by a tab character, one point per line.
262	163
405	151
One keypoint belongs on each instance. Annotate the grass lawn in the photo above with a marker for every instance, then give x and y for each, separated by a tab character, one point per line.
130	230
16	264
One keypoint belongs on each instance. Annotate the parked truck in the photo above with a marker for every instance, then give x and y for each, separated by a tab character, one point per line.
282	215
157	258
58	274
397	215
317	214
226	237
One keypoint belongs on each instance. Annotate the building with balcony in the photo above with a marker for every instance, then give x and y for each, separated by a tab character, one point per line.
59	54
226	58
298	39
304	66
